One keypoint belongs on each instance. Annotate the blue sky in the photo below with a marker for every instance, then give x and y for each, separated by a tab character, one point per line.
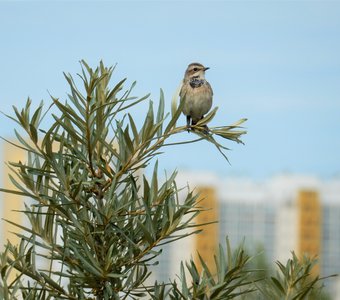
276	63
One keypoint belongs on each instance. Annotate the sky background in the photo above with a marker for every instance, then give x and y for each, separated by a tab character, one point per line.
276	63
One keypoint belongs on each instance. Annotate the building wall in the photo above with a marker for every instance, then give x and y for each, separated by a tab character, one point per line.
206	242
289	213
309	230
11	203
286	234
330	246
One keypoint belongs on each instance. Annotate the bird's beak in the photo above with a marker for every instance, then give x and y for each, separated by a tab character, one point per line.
207	68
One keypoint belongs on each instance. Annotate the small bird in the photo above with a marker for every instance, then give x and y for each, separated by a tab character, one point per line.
197	94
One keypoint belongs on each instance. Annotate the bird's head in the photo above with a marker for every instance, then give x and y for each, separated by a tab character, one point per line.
195	70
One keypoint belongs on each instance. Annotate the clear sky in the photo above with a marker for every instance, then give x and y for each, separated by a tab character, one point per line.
276	63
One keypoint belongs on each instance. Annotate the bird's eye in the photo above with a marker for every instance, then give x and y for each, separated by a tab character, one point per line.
195	69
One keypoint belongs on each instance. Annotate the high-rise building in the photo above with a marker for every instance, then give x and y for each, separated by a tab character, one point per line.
284	214
206	242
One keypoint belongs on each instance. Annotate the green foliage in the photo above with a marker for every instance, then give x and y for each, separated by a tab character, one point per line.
293	281
231	279
96	223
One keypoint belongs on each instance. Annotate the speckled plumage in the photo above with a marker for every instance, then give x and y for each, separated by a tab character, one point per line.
196	82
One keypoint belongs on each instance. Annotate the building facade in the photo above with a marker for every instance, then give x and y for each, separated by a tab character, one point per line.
283	214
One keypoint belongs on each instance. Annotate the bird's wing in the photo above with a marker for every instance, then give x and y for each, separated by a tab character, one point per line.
212	93
175	98
182	89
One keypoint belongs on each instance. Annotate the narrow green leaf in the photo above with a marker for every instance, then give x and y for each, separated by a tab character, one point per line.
207	118
35	121
71	114
115	90
134	130
175	117
160	113
146	233
33	133
52	283
148	124
278	285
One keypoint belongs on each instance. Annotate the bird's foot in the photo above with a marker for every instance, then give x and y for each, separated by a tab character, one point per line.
188	123
206	129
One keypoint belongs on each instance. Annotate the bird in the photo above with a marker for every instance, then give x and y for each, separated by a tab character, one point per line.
196	93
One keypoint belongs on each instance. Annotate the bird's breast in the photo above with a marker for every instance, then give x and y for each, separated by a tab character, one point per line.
198	101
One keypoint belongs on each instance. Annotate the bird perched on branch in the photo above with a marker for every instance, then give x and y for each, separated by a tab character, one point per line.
196	93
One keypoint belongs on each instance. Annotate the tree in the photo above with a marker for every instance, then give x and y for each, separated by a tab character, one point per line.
97	223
